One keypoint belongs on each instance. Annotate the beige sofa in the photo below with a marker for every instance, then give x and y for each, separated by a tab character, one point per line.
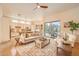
31	39
22	40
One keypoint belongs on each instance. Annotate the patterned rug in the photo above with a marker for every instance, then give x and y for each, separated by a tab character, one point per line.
31	50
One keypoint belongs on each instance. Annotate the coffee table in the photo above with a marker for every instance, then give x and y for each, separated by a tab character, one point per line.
41	43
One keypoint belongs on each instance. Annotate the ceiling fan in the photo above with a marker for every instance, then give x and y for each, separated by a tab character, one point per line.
40	6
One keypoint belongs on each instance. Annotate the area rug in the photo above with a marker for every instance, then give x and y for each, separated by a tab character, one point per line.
31	50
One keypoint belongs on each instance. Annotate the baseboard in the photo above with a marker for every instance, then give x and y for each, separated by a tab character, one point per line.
5	42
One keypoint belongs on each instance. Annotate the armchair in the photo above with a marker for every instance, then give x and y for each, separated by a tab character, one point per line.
70	39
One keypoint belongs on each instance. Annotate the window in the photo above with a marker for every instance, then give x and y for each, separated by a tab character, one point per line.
51	29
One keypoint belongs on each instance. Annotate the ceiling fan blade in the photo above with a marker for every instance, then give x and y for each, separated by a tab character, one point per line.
44	6
37	4
35	8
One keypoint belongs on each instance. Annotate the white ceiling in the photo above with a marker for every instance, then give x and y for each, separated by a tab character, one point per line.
26	9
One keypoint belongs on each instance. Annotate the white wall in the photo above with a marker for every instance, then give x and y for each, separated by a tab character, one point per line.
4	27
0	24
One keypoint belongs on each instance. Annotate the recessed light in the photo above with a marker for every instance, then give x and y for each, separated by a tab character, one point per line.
28	23
15	21
22	22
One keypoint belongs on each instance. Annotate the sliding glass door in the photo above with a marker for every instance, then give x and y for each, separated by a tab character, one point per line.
51	29
47	30
55	28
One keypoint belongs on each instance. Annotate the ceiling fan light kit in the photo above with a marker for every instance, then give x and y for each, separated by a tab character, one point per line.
38	6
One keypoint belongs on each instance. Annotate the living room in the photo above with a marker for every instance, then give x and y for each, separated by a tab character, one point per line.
31	29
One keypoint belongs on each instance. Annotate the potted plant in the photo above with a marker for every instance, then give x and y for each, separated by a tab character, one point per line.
73	26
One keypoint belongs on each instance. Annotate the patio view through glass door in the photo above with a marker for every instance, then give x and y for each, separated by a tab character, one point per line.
52	29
